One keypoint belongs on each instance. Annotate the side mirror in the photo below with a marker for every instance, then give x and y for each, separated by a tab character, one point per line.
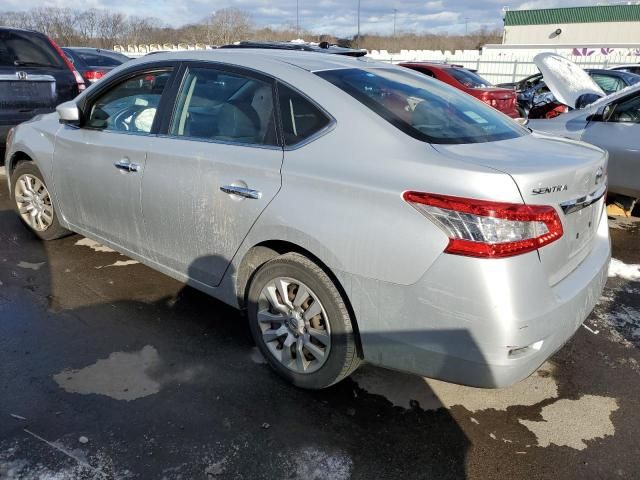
69	113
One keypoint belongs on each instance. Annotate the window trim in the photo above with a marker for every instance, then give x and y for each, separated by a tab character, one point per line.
181	76
88	101
329	127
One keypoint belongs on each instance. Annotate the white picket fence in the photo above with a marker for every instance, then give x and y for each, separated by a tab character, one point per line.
494	65
498	67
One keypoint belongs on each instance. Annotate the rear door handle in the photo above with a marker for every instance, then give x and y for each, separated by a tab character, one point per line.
241	191
127	166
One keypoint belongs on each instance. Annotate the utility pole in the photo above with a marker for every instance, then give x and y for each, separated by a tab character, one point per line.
466	25
395	14
297	19
358	41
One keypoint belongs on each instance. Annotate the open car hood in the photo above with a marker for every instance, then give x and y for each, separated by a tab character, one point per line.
566	80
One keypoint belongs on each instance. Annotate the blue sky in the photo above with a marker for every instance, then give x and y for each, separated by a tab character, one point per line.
324	16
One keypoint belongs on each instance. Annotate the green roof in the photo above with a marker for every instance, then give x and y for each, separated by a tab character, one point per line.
595	14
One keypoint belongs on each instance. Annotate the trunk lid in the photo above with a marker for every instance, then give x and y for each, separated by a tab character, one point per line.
566	80
566	174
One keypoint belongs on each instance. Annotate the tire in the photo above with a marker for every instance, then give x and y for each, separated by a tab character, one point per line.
52	230
294	272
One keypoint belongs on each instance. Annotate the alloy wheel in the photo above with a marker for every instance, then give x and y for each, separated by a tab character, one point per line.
34	202
294	325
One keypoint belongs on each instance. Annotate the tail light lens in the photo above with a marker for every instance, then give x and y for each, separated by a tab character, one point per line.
94	75
76	74
480	228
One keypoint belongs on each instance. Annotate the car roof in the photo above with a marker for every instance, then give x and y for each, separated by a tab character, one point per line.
323	47
254	58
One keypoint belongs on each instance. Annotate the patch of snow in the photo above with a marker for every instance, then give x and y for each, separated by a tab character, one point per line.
87	242
625	271
120	263
311	463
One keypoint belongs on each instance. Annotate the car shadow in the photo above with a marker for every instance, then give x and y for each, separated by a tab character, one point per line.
163	378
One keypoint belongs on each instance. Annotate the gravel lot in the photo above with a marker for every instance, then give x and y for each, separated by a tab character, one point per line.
111	370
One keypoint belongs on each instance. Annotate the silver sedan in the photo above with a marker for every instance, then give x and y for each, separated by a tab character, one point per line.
358	212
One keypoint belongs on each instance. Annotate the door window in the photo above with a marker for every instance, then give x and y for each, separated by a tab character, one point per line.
223	106
608	83
301	119
627	111
130	106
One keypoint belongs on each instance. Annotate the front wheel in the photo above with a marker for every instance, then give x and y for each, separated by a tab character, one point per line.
32	201
300	322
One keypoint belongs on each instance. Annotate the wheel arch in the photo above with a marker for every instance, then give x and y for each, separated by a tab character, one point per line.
266	250
16	158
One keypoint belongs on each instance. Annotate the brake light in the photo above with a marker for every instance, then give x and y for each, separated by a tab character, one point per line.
76	74
480	228
94	75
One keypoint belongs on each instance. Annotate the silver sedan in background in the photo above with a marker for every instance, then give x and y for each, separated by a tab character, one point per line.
611	122
358	211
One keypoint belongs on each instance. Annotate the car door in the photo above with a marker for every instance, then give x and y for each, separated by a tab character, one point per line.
212	172
617	130
98	166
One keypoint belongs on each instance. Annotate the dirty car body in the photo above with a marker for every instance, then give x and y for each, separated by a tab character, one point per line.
454	253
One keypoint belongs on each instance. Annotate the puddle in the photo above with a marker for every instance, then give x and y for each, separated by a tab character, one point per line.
570	423
30	266
87	242
403	390
121	376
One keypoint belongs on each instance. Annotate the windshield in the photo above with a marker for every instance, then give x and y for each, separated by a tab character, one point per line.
26	49
467	78
426	109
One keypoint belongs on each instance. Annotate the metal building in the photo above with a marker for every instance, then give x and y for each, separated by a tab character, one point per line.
600	24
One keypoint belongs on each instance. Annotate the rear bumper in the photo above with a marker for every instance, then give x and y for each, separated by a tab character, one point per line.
485	323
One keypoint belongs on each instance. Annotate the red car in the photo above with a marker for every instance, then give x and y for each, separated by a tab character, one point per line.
502	99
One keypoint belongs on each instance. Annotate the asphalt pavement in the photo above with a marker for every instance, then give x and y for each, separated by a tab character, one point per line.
109	369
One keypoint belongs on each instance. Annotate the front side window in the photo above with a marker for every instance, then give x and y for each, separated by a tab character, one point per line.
426	109
130	106
627	111
301	119
227	107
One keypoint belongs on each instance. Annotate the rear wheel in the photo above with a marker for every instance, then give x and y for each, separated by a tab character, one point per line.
32	201
300	322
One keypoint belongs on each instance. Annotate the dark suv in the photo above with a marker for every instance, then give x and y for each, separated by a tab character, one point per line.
35	77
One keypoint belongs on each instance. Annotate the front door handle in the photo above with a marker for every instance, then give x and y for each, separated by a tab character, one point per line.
241	191
127	166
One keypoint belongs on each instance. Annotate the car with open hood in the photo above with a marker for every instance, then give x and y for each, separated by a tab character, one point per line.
612	122
357	211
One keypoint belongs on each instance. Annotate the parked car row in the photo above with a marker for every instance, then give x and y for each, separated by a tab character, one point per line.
36	75
442	238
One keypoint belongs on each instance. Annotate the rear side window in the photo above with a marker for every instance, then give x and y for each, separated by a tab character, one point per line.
27	49
225	107
426	109
130	106
608	83
97	60
468	78
301	119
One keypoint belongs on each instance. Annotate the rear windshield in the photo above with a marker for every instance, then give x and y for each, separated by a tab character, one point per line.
468	78
426	109
27	50
101	59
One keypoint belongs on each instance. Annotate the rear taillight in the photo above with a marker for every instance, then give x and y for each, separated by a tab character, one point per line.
76	75
94	75
480	228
